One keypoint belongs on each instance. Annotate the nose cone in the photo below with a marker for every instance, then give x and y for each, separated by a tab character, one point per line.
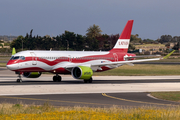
11	65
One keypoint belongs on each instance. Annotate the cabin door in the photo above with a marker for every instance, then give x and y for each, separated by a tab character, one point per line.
34	58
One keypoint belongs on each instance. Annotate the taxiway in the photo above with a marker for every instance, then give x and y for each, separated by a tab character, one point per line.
105	91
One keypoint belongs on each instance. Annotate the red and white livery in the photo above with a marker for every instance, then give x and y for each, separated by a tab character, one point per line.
80	64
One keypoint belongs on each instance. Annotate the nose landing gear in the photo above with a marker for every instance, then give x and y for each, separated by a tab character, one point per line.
19	80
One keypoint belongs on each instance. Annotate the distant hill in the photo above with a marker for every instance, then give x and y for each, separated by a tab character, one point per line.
7	38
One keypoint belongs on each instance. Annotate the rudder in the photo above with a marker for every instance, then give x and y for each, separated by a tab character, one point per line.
122	43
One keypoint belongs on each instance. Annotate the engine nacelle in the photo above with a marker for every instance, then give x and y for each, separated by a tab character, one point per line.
82	72
32	74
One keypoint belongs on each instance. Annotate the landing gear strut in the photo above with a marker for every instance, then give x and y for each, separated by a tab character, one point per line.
57	78
88	81
19	80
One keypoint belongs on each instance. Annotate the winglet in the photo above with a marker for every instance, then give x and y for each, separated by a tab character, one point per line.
169	54
13	51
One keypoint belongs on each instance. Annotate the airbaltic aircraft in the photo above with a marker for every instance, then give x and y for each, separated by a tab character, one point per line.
80	64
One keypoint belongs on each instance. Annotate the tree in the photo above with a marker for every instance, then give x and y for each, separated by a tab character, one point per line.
104	42
135	39
79	42
148	41
69	39
17	43
131	47
165	38
1	45
93	31
176	47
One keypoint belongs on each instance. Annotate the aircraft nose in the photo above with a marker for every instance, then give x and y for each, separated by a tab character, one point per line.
11	66
8	66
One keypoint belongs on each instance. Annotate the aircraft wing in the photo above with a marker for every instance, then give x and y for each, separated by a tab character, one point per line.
99	63
125	62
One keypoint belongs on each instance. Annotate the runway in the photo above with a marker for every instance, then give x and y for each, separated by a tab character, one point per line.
105	91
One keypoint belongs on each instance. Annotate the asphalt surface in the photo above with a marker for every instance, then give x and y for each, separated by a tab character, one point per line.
80	82
90	100
102	99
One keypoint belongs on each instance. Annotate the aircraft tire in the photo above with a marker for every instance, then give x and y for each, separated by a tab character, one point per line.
85	81
19	80
59	78
90	80
55	79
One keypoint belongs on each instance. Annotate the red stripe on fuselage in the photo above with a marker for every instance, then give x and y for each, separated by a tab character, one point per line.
111	56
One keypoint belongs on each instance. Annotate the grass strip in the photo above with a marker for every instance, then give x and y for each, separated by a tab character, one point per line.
172	96
2	64
46	111
142	70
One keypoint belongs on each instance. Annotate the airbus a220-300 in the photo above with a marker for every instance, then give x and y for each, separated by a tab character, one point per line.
80	64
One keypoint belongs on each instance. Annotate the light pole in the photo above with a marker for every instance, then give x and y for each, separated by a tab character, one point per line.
22	44
67	45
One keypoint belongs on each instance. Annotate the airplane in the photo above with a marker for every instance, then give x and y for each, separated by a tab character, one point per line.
80	64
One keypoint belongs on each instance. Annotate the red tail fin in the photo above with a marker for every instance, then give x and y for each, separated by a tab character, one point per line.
122	43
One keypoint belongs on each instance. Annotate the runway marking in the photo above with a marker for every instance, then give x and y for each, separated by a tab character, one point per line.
55	100
105	95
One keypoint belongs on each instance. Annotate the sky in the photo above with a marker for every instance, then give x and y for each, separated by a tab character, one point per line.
152	18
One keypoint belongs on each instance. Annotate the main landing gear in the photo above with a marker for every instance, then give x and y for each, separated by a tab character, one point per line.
88	81
57	78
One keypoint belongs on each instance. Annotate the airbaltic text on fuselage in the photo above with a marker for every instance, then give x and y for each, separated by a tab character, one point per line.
87	73
122	43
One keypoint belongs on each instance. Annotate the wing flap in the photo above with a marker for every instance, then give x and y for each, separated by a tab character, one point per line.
143	56
125	62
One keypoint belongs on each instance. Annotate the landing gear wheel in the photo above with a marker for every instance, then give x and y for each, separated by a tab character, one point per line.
85	81
88	81
54	78
57	78
19	80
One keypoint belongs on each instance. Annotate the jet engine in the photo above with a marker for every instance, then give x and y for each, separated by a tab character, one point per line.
32	74
82	72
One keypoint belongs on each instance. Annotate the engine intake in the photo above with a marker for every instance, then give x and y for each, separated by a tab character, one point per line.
82	72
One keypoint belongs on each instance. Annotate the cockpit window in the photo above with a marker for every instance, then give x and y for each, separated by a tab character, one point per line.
11	57
17	57
22	57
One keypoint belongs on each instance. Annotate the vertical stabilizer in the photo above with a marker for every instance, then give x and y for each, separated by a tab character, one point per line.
122	43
